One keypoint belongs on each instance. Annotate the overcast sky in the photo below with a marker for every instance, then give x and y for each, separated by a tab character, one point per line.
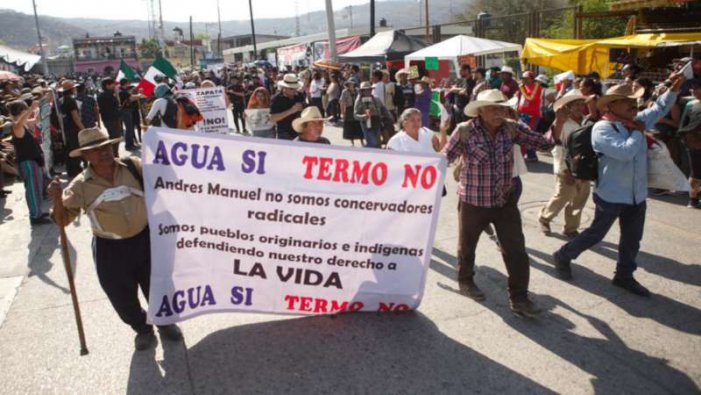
173	10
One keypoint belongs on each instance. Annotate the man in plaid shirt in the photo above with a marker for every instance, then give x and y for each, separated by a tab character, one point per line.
488	193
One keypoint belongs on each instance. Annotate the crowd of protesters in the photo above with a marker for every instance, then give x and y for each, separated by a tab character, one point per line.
496	120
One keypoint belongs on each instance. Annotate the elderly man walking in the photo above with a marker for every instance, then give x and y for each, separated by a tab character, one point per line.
488	194
621	188
110	191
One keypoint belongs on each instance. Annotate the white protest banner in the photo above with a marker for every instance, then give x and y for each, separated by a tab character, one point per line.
212	105
250	224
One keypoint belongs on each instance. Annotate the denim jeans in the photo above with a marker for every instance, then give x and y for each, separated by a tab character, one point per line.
632	221
372	136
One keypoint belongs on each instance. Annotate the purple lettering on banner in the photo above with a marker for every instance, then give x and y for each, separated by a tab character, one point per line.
195	156
249	162
178	160
161	154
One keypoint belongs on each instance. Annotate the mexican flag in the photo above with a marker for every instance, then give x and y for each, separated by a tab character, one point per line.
160	66
437	110
125	71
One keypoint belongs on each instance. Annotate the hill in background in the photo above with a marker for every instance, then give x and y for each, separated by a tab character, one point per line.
18	29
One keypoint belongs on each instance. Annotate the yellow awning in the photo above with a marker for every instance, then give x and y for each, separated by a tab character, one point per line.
584	56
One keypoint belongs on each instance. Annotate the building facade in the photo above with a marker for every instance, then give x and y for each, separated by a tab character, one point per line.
103	54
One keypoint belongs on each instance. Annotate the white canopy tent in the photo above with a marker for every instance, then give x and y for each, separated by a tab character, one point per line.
461	45
20	59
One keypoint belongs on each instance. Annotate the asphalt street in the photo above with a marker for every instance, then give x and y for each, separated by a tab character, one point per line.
593	337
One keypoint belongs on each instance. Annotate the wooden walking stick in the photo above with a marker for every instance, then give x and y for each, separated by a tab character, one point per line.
69	272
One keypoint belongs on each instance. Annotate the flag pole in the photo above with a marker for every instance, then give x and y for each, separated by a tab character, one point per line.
69	273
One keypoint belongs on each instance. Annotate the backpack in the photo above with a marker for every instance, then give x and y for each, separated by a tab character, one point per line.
581	159
463	129
170	118
131	166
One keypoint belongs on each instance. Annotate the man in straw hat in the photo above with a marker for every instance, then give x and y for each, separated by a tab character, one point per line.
488	193
368	111
570	193
110	191
621	187
310	126
404	91
286	105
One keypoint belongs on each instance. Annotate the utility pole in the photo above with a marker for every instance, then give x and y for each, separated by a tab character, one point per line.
41	45
192	49
219	35
350	15
160	23
372	18
253	29
428	27
331	27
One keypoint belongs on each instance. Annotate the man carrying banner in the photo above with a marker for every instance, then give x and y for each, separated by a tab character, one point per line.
110	191
488	193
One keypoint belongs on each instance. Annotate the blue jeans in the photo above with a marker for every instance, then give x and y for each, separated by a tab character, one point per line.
632	221
372	136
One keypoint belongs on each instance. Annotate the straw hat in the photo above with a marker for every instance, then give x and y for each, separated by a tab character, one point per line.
489	97
619	92
400	72
542	78
67	85
507	69
528	74
92	138
571	96
289	81
309	114
365	85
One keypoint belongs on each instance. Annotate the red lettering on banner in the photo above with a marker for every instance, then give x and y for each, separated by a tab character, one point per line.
319	305
342	170
428	175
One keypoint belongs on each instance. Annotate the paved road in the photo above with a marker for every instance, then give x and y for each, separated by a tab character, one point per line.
593	337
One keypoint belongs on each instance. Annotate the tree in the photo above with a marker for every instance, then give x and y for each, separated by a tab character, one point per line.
592	27
150	48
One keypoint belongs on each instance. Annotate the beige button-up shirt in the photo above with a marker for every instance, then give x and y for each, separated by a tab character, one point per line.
124	218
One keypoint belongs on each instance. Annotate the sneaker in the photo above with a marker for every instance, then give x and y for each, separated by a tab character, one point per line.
525	308
471	290
693	204
572	234
544	227
171	332
144	341
631	285
563	265
39	221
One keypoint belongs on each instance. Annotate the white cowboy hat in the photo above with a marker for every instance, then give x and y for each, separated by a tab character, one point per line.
289	81
507	69
567	75
489	97
618	92
400	72
365	85
92	138
542	78
568	98
309	114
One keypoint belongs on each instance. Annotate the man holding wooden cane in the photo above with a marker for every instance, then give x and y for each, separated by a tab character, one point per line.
110	191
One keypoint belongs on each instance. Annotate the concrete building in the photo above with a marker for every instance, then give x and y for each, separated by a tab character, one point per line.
103	54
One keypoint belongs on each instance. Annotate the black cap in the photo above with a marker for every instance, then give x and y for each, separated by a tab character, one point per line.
123	81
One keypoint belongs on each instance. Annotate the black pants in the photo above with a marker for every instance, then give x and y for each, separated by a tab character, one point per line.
316	101
114	129
124	266
237	111
507	223
73	165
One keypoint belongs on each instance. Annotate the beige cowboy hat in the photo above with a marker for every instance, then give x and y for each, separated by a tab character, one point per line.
309	114
568	98
289	81
489	97
619	92
507	69
92	138
67	85
400	72
365	85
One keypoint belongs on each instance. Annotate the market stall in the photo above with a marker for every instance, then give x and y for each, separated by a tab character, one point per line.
457	48
603	56
384	46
